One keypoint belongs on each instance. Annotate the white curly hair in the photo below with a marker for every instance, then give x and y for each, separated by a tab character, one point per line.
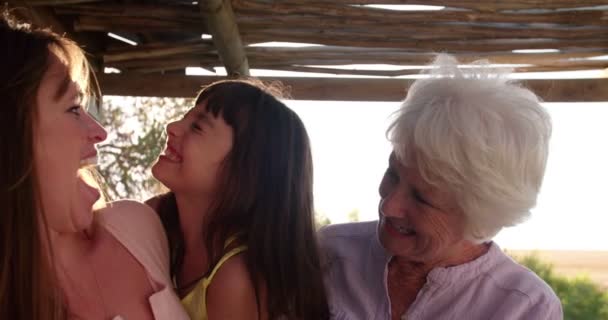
479	136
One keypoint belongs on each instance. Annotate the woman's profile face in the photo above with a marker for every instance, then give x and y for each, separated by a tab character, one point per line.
197	146
65	136
417	220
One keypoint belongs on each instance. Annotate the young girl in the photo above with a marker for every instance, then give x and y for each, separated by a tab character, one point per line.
58	259
240	212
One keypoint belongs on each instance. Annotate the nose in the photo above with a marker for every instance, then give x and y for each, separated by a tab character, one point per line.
395	204
96	132
173	129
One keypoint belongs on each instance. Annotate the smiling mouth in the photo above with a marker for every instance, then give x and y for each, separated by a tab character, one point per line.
171	155
399	228
88	162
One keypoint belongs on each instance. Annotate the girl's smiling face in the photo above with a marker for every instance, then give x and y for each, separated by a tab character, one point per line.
197	146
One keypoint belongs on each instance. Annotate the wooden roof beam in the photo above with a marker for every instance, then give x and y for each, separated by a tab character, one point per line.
447	45
45	17
329	13
180	63
348	89
224	30
488	5
50	2
41	17
325	64
157	50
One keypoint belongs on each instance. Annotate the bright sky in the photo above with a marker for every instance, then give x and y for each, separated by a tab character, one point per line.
350	154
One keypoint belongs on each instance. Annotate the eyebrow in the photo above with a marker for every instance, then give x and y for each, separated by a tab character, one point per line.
64	87
421	195
203	117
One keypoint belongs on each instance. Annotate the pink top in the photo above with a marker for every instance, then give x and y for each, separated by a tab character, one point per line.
491	287
138	228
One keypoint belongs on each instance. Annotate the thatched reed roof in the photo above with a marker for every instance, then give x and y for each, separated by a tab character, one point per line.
168	37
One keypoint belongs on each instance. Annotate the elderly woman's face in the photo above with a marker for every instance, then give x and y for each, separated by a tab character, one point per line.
417	221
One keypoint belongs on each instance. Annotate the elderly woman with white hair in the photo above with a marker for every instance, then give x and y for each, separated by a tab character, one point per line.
469	155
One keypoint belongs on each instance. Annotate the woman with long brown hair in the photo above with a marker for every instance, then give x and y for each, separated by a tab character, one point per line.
240	212
58	259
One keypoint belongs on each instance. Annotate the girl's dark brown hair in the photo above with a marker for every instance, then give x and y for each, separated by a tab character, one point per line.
266	196
28	287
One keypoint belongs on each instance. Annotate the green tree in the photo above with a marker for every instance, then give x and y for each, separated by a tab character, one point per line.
321	219
581	298
136	136
353	216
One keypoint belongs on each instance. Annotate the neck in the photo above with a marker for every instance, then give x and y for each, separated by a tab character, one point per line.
193	218
67	251
73	255
70	247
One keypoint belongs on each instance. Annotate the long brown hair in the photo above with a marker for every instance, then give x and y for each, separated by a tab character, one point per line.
28	287
266	187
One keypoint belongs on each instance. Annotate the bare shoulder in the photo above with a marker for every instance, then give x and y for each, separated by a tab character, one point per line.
231	294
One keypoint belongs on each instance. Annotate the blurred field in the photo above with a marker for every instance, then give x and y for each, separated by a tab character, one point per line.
573	263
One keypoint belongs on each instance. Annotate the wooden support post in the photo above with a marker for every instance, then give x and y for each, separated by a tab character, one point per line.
222	24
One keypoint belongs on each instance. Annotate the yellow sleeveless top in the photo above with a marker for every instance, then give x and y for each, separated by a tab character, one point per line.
195	302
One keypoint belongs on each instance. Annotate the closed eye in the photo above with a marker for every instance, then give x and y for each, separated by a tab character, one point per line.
392	176
419	198
422	200
196	127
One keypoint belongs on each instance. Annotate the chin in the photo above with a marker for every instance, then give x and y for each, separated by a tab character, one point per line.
82	222
394	246
160	173
155	169
165	178
402	248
